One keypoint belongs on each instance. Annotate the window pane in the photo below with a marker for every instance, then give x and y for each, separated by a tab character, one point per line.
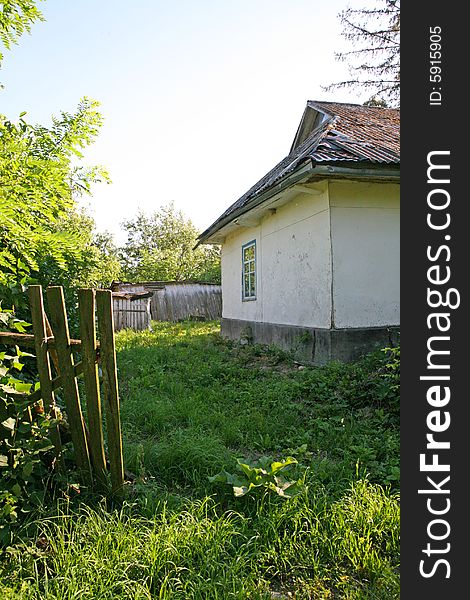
249	253
252	284
246	285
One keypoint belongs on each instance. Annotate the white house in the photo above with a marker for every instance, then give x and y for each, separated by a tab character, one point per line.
310	254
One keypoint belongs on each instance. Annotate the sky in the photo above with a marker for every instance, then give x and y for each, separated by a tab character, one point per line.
200	98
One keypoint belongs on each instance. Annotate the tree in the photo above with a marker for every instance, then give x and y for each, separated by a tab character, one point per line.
374	63
93	261
89	260
16	18
40	178
161	247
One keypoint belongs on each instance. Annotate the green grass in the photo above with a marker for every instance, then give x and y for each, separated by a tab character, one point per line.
191	404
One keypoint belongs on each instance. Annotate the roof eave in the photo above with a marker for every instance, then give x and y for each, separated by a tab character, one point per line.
388	173
300	174
307	172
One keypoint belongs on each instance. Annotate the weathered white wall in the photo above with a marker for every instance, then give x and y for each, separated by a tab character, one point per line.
231	259
293	266
365	230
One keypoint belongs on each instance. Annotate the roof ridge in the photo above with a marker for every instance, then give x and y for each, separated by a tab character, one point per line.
364	106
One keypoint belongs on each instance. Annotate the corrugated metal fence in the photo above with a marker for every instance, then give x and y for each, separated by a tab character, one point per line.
172	300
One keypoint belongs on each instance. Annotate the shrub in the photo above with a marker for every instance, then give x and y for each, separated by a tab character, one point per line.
24	439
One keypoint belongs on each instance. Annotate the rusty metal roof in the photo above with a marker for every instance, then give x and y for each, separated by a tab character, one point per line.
349	134
356	133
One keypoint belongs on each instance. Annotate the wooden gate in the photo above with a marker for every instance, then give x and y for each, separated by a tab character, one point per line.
55	350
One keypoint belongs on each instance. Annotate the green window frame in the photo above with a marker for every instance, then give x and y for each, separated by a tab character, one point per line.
249	271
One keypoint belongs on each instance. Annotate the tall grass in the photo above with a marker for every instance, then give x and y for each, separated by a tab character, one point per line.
190	404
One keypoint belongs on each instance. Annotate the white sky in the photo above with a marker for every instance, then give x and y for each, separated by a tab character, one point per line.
200	98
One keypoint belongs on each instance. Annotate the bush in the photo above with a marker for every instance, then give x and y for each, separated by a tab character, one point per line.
24	439
373	381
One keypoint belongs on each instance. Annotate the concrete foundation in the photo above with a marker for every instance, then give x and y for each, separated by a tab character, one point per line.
310	344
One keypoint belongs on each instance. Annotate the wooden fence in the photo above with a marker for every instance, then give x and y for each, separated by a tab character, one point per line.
55	351
173	300
186	300
131	310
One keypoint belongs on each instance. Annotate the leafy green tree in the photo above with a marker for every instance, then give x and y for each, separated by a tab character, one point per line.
161	246
93	260
16	18
41	176
374	61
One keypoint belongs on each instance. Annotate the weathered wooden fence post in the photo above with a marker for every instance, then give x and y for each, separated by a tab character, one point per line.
60	328
43	364
86	301
110	387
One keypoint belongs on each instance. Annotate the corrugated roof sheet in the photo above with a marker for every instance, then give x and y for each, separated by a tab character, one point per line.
358	133
349	133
